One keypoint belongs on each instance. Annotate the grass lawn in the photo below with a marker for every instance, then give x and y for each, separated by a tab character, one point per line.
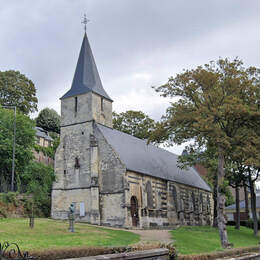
195	240
49	233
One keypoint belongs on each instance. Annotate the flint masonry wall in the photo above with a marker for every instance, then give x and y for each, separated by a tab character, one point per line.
167	203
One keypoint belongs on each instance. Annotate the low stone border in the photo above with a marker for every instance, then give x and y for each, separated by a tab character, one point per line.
245	257
227	254
158	254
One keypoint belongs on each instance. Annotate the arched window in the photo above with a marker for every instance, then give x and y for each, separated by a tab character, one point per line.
202	206
208	204
175	199
149	192
193	200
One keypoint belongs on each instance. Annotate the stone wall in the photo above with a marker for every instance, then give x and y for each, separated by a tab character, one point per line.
111	184
90	106
84	109
153	254
102	113
62	199
165	203
42	158
73	184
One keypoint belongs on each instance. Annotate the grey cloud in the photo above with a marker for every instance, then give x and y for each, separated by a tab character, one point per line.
42	40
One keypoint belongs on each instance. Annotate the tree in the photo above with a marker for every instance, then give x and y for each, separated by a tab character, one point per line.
135	123
38	179
25	137
207	157
49	120
17	90
215	102
235	176
247	155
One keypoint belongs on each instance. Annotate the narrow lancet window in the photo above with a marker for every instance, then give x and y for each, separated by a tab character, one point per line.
77	165
76	104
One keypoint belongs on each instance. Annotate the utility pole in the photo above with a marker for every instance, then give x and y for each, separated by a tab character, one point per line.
14	142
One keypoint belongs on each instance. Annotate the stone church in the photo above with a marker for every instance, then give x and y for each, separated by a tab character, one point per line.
113	178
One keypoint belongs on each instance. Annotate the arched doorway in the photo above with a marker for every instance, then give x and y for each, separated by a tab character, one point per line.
134	211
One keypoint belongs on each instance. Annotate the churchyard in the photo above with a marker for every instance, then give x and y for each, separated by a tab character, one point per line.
198	239
95	180
54	235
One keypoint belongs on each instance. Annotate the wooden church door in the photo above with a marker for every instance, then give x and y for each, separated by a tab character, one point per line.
134	211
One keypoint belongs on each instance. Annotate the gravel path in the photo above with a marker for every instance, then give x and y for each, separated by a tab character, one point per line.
162	236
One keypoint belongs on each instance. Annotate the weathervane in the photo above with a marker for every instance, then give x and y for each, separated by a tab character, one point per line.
85	21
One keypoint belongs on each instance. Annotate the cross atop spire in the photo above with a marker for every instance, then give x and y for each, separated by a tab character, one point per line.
85	21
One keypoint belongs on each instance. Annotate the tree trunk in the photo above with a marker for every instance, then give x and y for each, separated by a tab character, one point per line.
215	200
253	204
237	208
221	201
246	201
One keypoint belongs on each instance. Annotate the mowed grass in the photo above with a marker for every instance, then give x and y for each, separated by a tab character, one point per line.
195	240
53	234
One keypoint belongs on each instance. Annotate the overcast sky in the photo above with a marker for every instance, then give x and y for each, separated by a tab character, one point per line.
136	43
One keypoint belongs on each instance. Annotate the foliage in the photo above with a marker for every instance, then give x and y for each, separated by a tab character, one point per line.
17	205
218	103
17	90
9	197
215	101
38	179
50	150
229	197
55	144
195	240
135	123
25	136
51	234
49	120
47	151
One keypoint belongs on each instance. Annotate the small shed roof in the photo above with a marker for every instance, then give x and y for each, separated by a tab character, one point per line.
149	159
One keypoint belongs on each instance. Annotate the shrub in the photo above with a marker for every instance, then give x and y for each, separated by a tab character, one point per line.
38	178
245	223
9	197
94	251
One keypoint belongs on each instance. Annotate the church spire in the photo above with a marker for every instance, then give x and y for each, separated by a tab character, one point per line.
86	77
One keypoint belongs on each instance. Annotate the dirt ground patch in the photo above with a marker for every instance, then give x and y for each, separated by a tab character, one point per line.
162	236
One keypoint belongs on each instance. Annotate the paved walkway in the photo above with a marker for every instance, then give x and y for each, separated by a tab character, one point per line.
162	236
148	236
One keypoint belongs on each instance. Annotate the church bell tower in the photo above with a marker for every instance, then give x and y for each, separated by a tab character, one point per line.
77	157
86	100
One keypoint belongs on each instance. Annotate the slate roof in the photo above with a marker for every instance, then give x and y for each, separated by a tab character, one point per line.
149	159
86	77
242	204
42	133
